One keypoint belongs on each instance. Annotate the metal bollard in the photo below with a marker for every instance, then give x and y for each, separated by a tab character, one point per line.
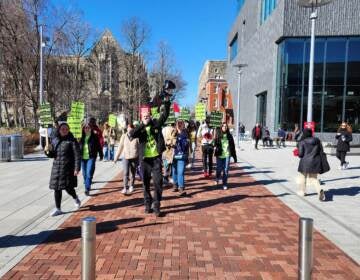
88	234
305	248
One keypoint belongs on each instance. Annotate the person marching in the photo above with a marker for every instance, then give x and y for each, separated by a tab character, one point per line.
152	145
169	133
109	135
90	148
344	137
192	146
180	157
207	148
257	134
224	150
130	148
64	149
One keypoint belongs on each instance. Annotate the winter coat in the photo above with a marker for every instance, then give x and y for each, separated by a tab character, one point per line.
155	130
344	138
169	134
218	146
207	135
254	133
309	154
97	131
67	160
181	145
129	146
109	136
93	146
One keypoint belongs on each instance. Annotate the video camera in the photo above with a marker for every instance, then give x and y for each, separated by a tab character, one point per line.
167	87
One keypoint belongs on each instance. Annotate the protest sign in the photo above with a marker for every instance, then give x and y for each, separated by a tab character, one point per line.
144	109
45	115
154	112
216	119
200	112
171	118
185	114
78	110
112	120
75	126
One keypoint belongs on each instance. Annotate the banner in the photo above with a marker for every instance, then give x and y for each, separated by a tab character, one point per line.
216	119
75	126
185	114
154	112
45	115
78	110
112	120
200	112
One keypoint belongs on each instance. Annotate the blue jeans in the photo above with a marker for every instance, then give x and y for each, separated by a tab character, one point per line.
109	152
88	166
178	172
222	165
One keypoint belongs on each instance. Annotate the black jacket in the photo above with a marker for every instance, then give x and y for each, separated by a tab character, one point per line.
67	159
218	147
155	129
309	154
344	138
94	146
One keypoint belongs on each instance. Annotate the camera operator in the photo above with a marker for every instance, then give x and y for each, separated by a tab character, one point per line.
152	145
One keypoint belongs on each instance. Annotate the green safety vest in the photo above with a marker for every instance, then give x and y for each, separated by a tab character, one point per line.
150	145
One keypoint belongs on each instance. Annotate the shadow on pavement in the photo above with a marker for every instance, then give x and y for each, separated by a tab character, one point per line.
211	202
137	201
354	167
351	191
339	179
101	182
31	159
60	235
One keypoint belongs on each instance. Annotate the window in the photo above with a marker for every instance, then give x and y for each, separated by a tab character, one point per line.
215	103
234	47
336	95
267	6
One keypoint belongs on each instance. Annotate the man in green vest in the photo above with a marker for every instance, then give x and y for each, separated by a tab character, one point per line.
152	145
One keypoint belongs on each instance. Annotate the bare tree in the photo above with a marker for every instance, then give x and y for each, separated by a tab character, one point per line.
135	34
165	68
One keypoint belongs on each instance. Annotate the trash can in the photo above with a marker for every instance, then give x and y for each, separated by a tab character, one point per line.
5	148
16	147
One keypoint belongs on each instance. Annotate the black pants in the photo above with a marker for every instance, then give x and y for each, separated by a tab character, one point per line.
341	156
207	158
256	142
151	168
58	196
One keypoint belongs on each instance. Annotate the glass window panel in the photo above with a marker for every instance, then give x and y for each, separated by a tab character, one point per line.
353	77
234	47
335	62
333	103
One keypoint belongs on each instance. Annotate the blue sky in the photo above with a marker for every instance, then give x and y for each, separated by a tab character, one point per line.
196	30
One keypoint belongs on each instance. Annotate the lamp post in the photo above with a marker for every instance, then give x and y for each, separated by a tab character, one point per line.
313	4
239	67
41	65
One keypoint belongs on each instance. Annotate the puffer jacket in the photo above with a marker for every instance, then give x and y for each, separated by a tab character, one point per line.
309	154
129	146
66	154
344	138
181	145
155	130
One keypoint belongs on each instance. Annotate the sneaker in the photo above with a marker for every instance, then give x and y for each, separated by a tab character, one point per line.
56	212
188	165
175	189
131	189
225	187
148	210
205	174
346	165
171	181
77	203
87	193
300	193
216	182
157	212
124	190
322	195
182	192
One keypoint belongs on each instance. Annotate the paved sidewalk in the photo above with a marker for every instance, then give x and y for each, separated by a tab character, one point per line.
337	218
26	201
245	232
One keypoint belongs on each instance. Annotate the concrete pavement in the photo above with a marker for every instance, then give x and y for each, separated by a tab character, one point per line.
26	201
337	218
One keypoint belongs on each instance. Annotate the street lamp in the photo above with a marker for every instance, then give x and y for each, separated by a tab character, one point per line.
239	67
313	4
42	45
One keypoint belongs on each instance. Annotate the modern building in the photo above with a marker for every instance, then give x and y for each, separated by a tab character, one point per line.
214	89
273	38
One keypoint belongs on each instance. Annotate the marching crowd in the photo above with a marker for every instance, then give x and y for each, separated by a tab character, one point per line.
161	153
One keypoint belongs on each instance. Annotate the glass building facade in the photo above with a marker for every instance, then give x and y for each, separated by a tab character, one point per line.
336	95
267	6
